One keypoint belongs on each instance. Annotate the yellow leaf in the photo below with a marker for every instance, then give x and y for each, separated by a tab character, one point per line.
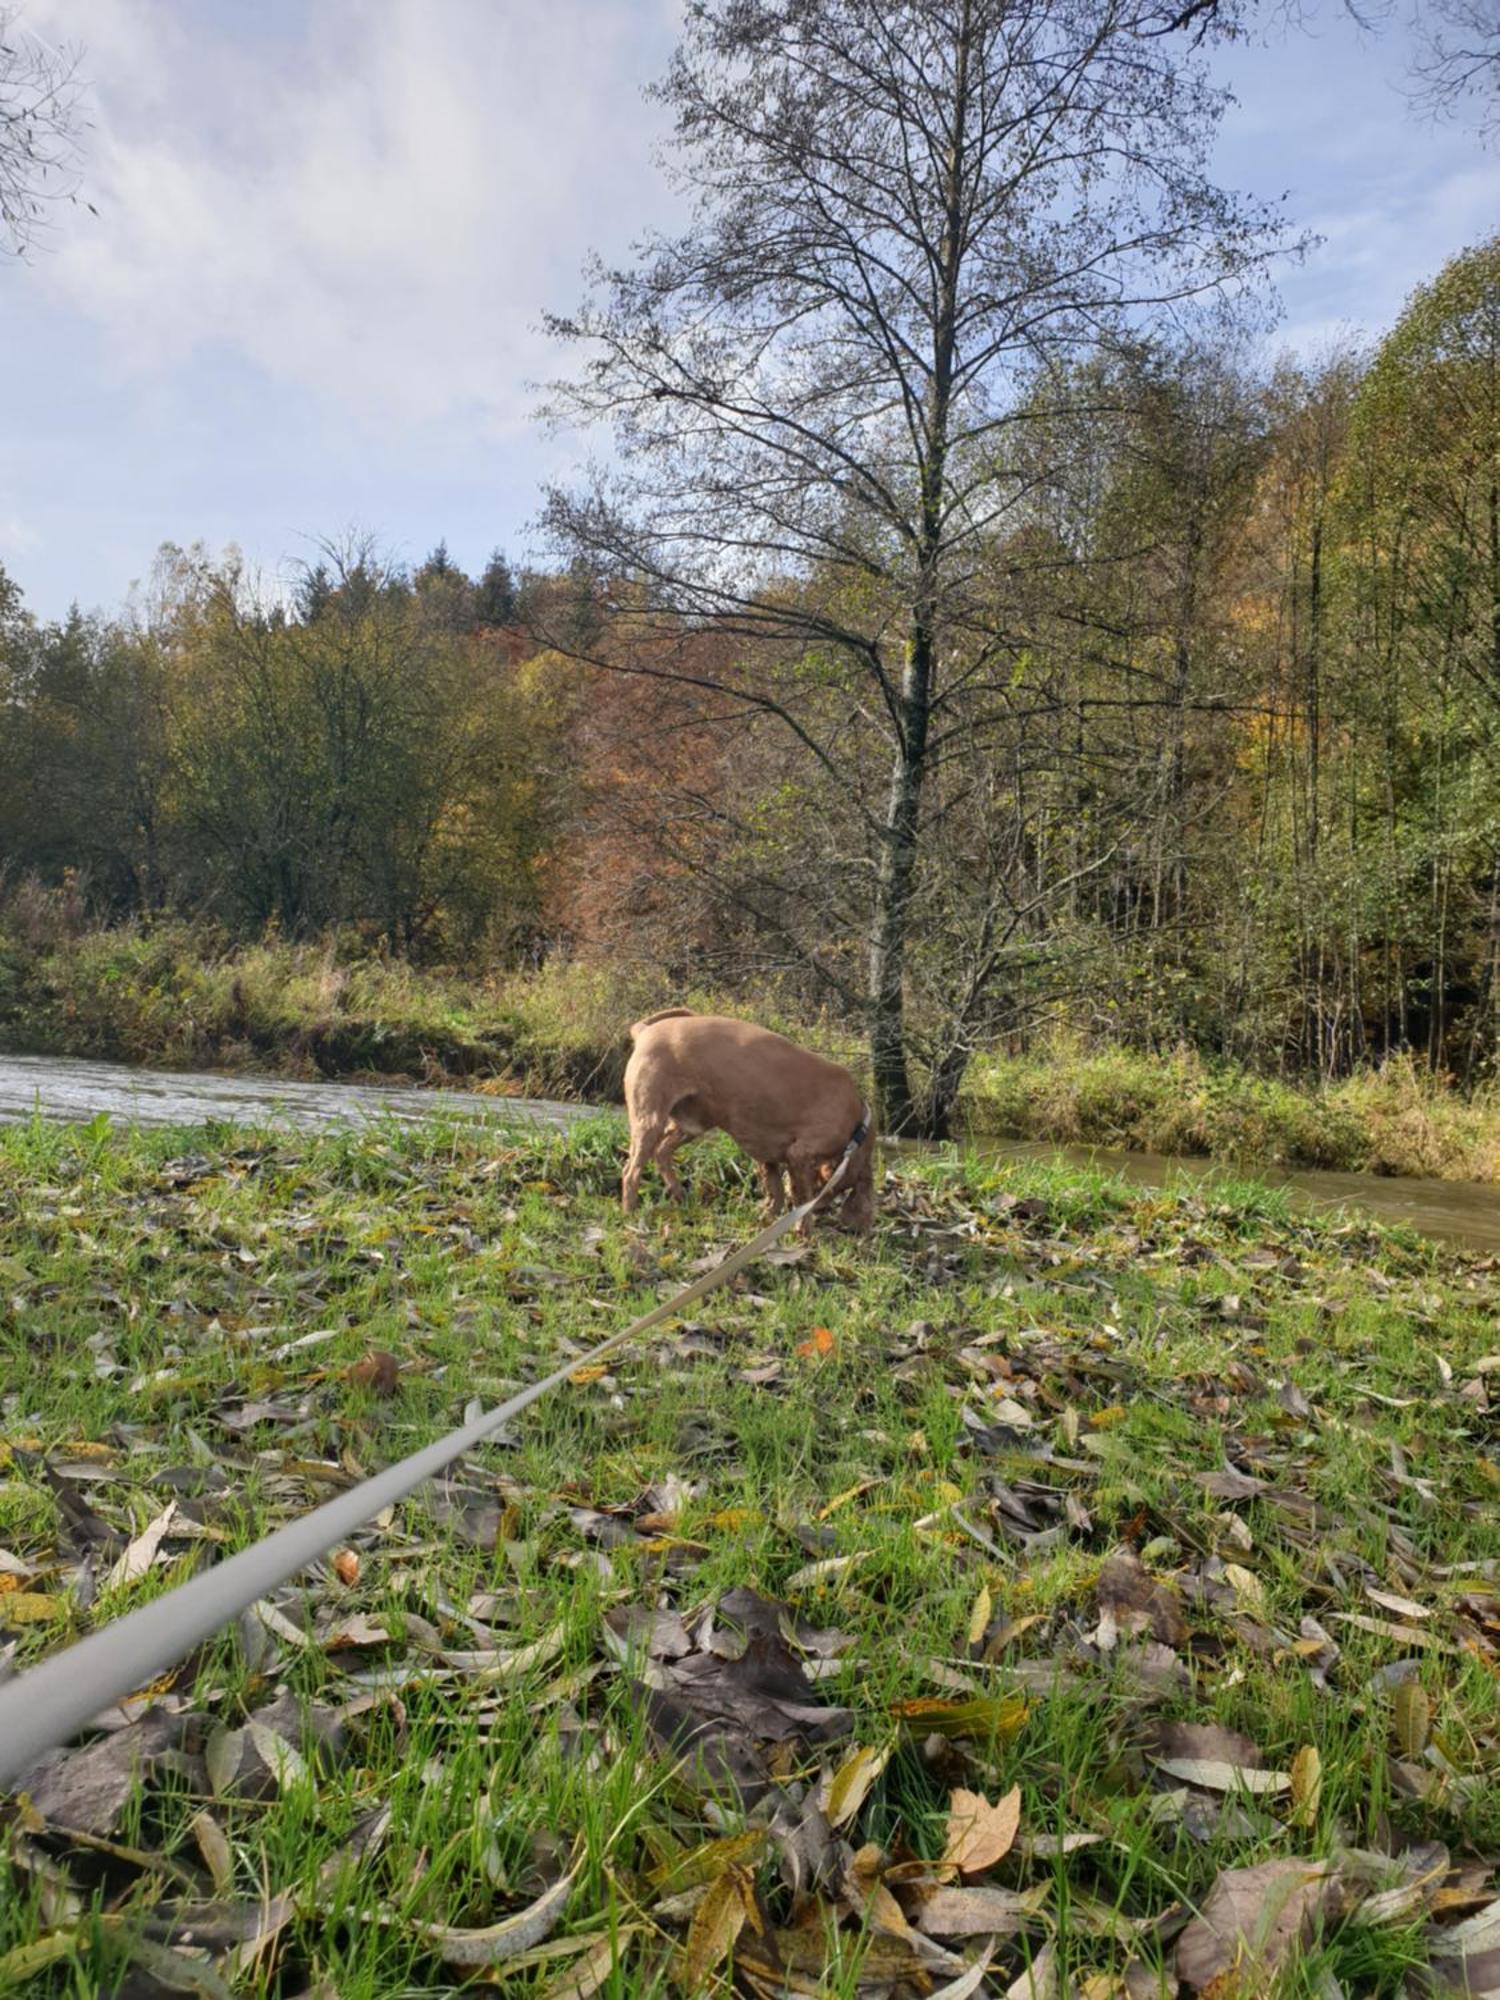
849	1493
979	1617
1246	1586
1413	1717
986	1717
852	1782
703	1863
1307	1785
594	1372
29	1607
980	1834
717	1922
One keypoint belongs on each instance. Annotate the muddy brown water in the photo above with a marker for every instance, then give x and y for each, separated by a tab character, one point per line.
1466	1213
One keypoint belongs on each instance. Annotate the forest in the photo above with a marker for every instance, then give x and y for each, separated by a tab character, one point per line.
1230	780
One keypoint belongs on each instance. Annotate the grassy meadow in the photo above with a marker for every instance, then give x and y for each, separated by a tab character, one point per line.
1073	1590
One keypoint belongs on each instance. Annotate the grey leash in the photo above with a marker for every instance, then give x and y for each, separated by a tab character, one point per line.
50	1702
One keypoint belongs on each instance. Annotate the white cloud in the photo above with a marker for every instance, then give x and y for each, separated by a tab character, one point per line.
371	199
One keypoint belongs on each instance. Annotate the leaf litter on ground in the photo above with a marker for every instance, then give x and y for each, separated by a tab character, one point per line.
949	1616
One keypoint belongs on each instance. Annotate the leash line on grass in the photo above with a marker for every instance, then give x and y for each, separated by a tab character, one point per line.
47	1704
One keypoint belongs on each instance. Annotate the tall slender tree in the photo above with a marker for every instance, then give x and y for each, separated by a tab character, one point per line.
904	213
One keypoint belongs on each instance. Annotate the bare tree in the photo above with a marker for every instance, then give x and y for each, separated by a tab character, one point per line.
1457	64
39	100
905	214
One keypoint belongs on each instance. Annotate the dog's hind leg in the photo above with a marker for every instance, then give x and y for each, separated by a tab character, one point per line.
671	1140
644	1140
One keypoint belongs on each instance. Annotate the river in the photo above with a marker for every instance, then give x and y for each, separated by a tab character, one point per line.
1466	1213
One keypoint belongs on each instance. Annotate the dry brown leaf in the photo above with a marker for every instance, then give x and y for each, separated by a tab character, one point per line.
958	1913
970	1981
1132	1602
378	1371
1041	1980
1252	1921
583	1980
980	1834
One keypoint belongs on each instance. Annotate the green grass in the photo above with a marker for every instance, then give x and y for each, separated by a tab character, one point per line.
147	1282
1395	1119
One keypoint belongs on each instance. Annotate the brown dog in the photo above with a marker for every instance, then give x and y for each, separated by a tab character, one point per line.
792	1111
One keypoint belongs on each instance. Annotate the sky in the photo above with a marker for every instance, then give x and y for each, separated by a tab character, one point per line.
310	300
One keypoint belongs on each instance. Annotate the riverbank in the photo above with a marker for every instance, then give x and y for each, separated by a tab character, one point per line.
172	997
1141	1517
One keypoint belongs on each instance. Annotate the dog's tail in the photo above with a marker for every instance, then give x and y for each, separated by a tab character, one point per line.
666	1014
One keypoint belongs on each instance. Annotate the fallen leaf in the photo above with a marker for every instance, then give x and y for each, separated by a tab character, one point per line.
970	1981
1402	1606
141	1553
1132	1602
496	1943
978	1911
1307	1785
1406	1635
1040	1980
223	1755
218	1857
852	1782
1246	1586
718	1920
283	1760
987	1718
594	1969
980	1834
86	1791
378	1371
1212	1774
1412	1714
979	1617
1252	1921
30	1607
702	1864
813	1575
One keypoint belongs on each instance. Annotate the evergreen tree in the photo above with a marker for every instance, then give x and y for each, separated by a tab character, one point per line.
313	593
495	593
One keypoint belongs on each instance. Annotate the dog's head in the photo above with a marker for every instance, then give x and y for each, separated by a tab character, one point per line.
855	1200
